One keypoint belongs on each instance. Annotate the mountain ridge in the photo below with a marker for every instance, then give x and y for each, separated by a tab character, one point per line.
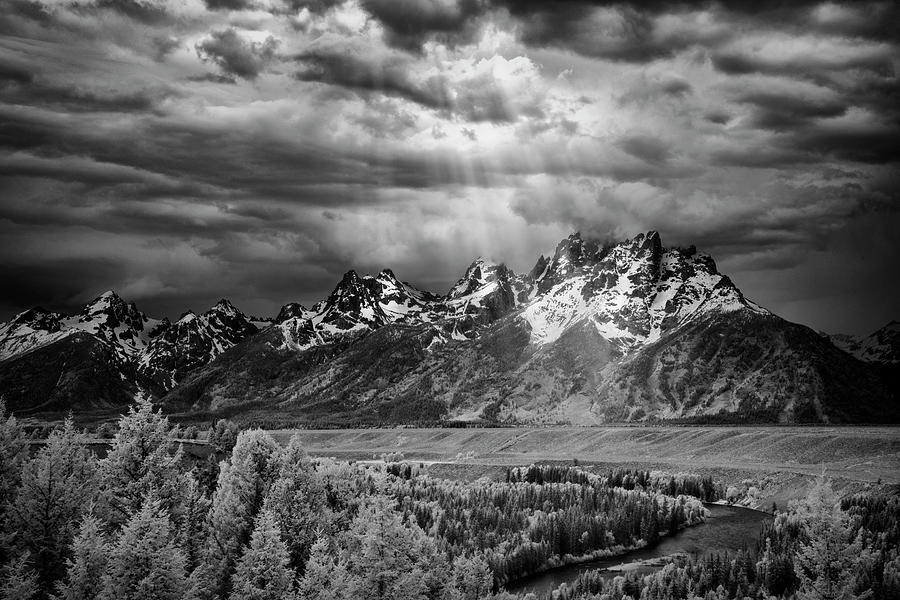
594	333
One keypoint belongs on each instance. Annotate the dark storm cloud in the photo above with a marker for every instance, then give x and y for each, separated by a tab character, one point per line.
77	99
229	4
810	66
409	23
620	32
646	147
781	112
864	144
760	156
235	55
15	74
352	69
475	98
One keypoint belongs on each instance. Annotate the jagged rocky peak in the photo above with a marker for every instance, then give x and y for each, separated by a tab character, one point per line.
575	251
573	255
292	310
539	268
225	307
349	293
386	284
38	319
479	275
109	310
228	319
350	304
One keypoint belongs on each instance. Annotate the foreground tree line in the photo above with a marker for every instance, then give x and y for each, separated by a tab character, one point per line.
269	522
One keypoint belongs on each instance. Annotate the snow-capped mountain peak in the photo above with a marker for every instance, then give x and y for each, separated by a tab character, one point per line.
480	279
632	292
192	341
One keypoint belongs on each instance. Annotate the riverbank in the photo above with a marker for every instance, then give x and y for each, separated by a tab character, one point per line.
568	560
727	529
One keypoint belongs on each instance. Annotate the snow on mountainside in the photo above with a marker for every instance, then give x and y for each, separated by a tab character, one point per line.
882	346
631	292
135	352
191	342
107	317
357	305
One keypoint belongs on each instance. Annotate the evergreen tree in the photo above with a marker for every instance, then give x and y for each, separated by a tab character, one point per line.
56	487
199	584
144	563
144	457
382	554
298	499
192	534
223	435
243	483
263	572
85	570
470	579
18	581
13	454
827	560
324	579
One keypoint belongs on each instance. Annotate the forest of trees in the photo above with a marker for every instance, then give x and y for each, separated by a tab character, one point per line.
261	521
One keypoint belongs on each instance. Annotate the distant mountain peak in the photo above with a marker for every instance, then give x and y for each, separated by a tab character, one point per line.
881	346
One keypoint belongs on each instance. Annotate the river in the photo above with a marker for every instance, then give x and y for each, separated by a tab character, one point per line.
728	528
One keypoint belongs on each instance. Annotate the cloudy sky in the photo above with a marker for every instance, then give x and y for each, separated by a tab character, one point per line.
178	151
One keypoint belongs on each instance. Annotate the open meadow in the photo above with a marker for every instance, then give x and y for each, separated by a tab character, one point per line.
780	462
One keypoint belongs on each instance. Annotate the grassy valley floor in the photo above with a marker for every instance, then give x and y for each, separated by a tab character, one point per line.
779	463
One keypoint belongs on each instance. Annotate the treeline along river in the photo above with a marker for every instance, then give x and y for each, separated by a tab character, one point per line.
727	529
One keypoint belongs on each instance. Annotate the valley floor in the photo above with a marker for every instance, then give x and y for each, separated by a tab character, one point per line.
780	462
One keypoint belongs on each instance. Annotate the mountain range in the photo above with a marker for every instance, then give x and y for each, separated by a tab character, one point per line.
595	333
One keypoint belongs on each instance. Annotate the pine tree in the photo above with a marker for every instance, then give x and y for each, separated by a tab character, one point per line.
144	457
56	487
243	483
298	500
144	563
263	572
324	579
382	554
191	535
470	579
85	570
18	581
827	560
13	454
